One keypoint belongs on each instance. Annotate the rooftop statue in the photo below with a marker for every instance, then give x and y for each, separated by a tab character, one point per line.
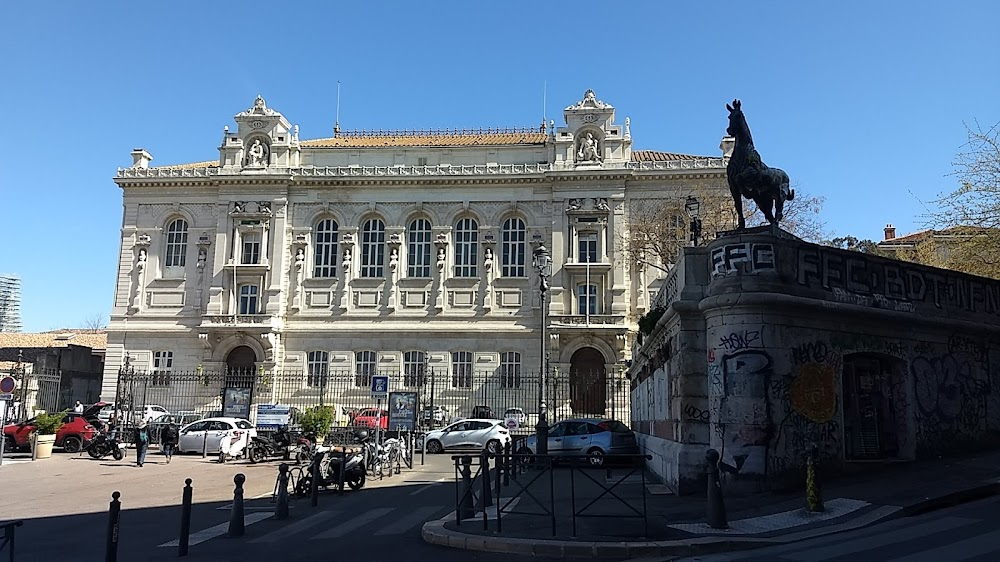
749	177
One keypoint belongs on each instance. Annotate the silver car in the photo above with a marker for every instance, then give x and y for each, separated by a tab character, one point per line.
594	437
206	434
469	434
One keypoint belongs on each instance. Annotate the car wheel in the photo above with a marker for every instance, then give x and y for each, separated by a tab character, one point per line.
596	457
72	444
493	447
434	446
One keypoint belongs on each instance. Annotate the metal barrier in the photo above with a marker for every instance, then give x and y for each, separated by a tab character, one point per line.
524	470
9	529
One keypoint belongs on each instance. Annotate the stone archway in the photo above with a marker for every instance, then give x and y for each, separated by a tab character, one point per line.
241	359
238	388
588	382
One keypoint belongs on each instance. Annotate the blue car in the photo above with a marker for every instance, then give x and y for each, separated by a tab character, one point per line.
594	437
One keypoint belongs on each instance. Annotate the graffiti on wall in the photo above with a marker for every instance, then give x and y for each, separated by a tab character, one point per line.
747	257
889	282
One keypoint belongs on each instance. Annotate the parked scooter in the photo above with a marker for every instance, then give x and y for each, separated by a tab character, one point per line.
106	444
279	445
233	445
329	461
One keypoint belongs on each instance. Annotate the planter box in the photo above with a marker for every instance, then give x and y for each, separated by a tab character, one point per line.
43	446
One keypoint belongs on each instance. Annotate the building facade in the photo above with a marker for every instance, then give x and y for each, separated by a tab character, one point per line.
10	303
315	264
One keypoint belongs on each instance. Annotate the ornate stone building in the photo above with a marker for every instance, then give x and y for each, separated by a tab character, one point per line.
383	251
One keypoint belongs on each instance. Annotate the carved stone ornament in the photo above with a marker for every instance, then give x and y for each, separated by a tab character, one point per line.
259	108
589	101
588	150
257	154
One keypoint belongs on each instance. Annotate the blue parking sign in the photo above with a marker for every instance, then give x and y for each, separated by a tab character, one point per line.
380	386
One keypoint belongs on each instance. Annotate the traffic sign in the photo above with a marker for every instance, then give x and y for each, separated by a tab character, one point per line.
6	396
7	385
380	386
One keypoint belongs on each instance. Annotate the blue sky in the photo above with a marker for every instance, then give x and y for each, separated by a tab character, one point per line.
863	103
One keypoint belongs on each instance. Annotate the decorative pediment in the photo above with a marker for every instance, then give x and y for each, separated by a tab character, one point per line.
590	101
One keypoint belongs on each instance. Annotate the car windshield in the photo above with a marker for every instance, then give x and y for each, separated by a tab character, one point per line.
614	426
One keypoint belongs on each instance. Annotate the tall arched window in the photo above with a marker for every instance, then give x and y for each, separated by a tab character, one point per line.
466	248
325	249
510	369
177	237
364	368
512	238
418	248
372	248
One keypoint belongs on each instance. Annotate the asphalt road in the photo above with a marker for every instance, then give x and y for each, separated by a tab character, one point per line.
969	532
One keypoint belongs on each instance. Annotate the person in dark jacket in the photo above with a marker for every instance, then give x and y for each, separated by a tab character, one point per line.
141	442
168	438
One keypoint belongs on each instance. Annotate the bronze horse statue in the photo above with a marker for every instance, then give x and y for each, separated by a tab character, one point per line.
749	177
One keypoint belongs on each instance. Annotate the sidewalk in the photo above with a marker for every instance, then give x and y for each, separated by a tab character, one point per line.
676	525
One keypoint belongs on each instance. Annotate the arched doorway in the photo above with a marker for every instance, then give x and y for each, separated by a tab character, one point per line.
240	377
588	380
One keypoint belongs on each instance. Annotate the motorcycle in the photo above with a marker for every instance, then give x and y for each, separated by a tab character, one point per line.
233	444
106	444
328	462
261	449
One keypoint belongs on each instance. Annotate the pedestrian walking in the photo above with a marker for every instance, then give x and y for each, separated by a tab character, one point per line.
78	408
141	442
168	438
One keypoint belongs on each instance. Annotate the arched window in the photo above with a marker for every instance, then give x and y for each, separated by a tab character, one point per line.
461	369
413	368
372	248
418	248
325	249
317	363
466	248
512	249
177	237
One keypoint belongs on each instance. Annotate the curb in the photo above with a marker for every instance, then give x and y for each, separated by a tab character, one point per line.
434	532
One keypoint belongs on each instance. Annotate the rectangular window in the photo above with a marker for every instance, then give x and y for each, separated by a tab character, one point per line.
422	161
248	299
587	299
251	248
588	247
461	369
510	369
364	368
163	364
413	368
317	364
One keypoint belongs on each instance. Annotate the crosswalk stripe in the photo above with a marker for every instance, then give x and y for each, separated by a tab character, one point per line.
218	530
868	543
295	527
356	522
403	524
955	552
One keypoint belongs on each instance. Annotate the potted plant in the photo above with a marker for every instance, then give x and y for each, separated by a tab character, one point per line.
316	422
46	426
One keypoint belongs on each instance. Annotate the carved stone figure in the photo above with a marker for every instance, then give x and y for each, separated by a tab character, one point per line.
574	204
202	256
588	149
257	154
601	204
142	258
440	259
300	256
263	206
749	177
628	131
238	207
394	260
347	260
488	259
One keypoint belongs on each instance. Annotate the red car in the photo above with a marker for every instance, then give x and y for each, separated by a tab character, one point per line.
74	433
366	418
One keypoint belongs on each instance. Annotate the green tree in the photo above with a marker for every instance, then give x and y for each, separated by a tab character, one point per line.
317	420
855	245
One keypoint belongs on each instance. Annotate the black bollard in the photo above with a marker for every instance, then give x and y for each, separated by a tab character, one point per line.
314	484
486	499
814	490
506	463
114	518
716	507
423	449
281	510
184	540
340	476
236	521
466	506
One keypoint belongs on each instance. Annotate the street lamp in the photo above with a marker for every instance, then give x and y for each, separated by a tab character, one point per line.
693	206
543	264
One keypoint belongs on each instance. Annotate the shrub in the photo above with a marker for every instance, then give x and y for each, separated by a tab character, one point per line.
317	420
48	424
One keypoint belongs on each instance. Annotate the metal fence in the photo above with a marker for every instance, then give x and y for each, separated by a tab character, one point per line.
36	390
477	394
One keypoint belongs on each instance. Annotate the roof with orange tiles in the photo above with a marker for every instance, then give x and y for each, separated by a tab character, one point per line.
374	139
920	235
658	156
93	340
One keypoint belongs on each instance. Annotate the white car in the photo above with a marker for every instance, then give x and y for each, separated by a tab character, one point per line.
206	434
490	435
514	418
152	411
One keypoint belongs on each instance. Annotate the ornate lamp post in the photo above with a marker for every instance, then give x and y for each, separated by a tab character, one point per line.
543	264
693	206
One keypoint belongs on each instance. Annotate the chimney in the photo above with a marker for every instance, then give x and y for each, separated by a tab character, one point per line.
141	158
890	232
727	145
